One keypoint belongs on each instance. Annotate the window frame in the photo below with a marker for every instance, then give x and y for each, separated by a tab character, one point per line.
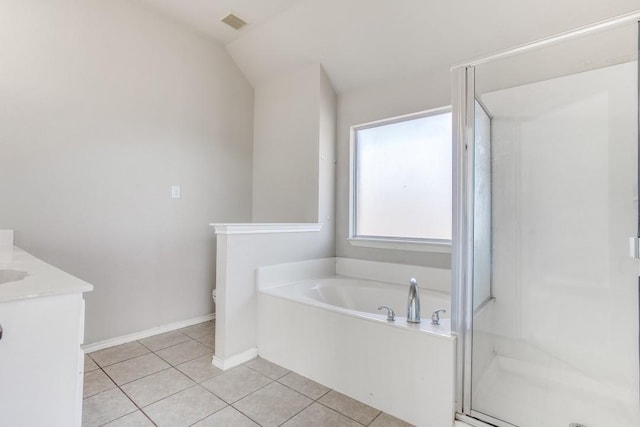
387	242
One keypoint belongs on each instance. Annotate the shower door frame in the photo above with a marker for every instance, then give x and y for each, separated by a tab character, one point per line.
463	102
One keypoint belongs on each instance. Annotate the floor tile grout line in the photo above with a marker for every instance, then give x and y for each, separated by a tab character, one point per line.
199	336
198	339
193	379
198	324
376	417
170	346
351	418
169	395
130	399
332	410
254	369
306	406
101	391
126	415
123	360
214	412
158	349
247	415
177	392
327	406
247	395
145	376
184	361
302	394
299	392
272	381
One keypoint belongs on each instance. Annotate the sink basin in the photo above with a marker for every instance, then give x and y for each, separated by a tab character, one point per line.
7	276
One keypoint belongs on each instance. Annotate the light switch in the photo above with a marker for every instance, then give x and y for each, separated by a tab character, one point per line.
175	191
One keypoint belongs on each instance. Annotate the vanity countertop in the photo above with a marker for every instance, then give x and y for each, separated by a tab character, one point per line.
42	279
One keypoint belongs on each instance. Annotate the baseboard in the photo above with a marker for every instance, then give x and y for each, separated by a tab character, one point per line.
89	348
235	360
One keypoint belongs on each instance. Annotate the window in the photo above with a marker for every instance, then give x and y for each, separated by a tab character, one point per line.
401	180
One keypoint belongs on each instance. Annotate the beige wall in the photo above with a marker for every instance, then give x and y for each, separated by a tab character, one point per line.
103	106
292	114
294	151
285	162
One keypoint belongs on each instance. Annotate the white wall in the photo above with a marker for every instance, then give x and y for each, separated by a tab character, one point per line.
103	106
388	99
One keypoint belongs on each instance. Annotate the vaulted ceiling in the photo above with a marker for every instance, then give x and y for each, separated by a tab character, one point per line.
362	42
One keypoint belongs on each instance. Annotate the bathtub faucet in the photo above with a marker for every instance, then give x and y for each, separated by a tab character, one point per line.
391	315
413	305
435	317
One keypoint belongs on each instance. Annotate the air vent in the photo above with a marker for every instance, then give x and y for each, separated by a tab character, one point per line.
233	21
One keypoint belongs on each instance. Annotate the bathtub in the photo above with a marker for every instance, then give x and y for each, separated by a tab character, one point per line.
320	319
361	298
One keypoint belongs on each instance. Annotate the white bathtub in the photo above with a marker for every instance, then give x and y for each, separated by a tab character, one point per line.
329	329
361	298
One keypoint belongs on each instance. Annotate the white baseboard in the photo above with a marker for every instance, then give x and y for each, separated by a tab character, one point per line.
89	348
235	360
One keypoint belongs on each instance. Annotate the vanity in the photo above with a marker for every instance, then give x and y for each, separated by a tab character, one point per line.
41	330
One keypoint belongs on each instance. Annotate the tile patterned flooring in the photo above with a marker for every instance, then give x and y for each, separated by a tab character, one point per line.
168	380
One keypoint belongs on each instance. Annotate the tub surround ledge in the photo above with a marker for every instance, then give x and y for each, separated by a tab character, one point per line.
262	228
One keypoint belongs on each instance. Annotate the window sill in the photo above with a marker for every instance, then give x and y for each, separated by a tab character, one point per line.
399	244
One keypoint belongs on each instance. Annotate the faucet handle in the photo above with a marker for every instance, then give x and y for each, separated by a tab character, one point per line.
435	317
391	315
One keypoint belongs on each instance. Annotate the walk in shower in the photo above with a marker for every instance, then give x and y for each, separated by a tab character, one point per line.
546	289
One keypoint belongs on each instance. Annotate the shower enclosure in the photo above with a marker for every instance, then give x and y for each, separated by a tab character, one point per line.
545	284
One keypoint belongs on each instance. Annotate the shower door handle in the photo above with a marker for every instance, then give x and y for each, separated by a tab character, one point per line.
0	331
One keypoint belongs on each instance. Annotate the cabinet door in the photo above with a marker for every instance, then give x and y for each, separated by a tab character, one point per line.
40	360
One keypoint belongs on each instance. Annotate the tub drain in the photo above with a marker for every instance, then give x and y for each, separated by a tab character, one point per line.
577	425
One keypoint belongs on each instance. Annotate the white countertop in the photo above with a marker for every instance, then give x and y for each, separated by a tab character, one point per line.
43	279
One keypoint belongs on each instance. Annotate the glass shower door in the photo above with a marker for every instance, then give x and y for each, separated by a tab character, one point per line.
555	200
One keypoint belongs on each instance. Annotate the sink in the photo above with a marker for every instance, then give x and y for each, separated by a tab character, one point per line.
7	276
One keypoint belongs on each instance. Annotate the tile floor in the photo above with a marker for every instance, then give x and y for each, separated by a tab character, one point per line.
168	380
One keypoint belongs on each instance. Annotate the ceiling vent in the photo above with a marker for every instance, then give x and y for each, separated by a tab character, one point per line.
234	22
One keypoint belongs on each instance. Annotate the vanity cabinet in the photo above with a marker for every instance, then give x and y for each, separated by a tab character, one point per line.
41	361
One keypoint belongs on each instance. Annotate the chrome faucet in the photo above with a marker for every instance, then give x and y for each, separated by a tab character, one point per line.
391	315
435	317
413	305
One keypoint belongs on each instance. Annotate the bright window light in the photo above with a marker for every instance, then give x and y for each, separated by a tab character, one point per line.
402	178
